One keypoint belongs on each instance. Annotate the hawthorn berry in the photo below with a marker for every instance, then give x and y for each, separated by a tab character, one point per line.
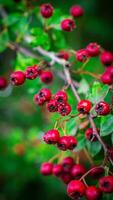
76	189
52	105
82	55
72	142
106	78
93	193
106	184
76	11
3	83
68	25
17	78
64	109
42	96
63	143
46	10
66	178
46	77
84	106
106	58
89	135
77	171
96	172
31	72
51	136
67	164
46	168
93	49
60	97
57	170
63	54
102	108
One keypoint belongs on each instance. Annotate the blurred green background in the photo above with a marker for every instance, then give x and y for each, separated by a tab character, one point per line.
21	122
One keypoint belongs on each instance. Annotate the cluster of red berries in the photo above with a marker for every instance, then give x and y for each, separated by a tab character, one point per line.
3	83
63	142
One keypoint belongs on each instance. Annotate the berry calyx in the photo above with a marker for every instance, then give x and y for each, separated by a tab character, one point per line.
63	54
82	55
52	106
3	83
93	193
76	11
46	168
64	109
46	10
31	72
89	135
84	106
63	143
68	25
42	96
46	77
17	78
60	97
93	49
106	58
106	184
51	136
76	189
57	170
102	108
77	171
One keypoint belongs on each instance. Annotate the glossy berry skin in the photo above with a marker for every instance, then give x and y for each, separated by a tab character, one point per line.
96	172
77	171
76	189
106	184
84	106
72	142
42	96
63	143
93	49
46	168
106	58
3	83
63	54
106	78
102	108
68	25
64	109
46	10
57	170
67	164
90	136
31	72
52	106
60	97
93	193
51	136
76	11
82	55
46	77
17	78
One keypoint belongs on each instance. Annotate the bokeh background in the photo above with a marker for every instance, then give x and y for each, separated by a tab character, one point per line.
22	123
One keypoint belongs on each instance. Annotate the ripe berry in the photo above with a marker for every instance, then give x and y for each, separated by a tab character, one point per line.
17	78
3	83
64	109
77	171
42	96
89	135
84	106
82	55
76	11
63	54
106	78
52	106
57	170
51	136
68	25
46	77
93	193
63	143
60	97
96	172
46	168
66	178
102	108
46	10
93	49
67	164
106	184
106	58
72	142
31	72
76	189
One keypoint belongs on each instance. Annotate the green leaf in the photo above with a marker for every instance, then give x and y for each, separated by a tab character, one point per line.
112	138
4	39
94	148
106	126
84	87
11	19
81	142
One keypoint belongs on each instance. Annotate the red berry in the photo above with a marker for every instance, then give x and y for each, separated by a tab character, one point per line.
64	109
46	10
72	142
106	184
93	49
90	135
42	96
61	97
84	106
68	25
67	164
63	143
3	83
76	11
46	168
63	54
106	58
46	77
106	78
17	78
57	170
76	189
96	172
77	171
66	178
102	108
82	55
51	136
31	72
93	193
52	106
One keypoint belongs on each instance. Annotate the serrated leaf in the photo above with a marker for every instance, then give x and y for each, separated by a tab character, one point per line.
106	126
94	148
4	39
